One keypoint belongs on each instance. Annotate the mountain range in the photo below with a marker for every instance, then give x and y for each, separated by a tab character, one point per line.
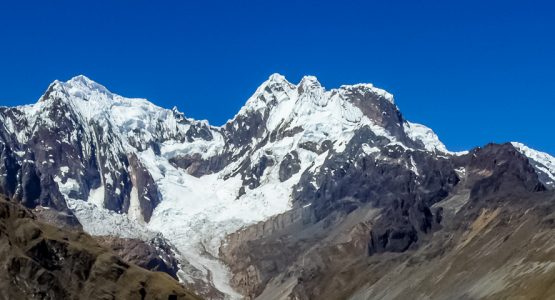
306	193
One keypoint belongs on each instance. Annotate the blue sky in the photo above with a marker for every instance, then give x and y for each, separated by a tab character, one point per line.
474	71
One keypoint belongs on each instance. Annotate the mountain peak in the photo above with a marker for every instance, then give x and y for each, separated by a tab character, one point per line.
81	78
79	87
84	84
370	87
276	77
309	82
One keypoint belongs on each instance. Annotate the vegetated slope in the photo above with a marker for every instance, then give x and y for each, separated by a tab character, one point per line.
40	261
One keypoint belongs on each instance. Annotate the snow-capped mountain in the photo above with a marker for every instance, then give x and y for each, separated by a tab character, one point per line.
129	168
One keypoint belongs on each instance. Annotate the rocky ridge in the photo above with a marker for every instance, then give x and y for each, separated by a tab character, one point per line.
40	261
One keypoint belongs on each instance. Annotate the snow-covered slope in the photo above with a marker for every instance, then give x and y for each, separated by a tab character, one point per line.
134	169
541	161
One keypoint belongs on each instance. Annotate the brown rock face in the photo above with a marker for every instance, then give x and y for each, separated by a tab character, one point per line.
39	261
486	234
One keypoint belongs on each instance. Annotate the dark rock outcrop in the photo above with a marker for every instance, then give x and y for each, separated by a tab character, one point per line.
154	255
289	166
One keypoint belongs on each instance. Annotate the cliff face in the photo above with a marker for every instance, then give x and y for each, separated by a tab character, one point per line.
40	261
154	255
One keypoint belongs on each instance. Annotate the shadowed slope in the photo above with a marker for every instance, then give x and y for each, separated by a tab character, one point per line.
39	261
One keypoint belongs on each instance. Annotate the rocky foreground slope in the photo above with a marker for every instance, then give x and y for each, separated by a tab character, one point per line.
40	261
488	235
306	193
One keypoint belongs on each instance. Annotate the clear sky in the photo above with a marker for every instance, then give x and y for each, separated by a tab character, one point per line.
474	71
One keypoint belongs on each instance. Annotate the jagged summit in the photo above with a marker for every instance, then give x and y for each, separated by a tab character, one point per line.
80	86
83	80
305	80
276	77
276	106
269	95
309	82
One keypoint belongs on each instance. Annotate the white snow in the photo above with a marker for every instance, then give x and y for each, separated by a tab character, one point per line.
100	221
134	206
418	132
461	171
198	212
370	150
108	179
373	89
413	166
206	149
542	162
66	187
96	196
64	169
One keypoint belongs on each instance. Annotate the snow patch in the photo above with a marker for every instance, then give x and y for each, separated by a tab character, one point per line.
64	170
134	211
421	133
370	150
68	186
96	196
